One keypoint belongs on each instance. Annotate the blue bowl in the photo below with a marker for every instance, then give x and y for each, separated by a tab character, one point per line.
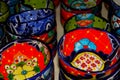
31	23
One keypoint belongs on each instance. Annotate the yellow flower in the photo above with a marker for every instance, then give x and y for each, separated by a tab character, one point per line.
22	73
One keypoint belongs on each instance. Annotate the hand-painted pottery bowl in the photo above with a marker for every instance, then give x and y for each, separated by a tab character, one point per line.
32	23
37	4
81	4
4	11
66	12
89	53
26	59
115	22
86	20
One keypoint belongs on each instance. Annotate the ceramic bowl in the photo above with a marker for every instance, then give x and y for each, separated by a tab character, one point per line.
86	20
32	23
4	12
89	53
26	59
67	12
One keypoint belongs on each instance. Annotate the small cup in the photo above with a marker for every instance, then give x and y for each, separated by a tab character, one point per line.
26	59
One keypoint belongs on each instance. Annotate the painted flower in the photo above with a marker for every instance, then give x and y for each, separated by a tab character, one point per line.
84	44
22	70
22	73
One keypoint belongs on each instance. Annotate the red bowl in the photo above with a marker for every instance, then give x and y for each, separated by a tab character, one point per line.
78	48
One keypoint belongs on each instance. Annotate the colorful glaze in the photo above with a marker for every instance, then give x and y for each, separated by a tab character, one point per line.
86	20
94	55
48	38
81	4
31	23
88	61
66	76
25	59
4	11
64	10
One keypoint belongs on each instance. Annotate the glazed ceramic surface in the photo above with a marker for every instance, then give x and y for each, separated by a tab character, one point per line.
81	4
26	59
94	55
86	20
37	4
67	13
34	22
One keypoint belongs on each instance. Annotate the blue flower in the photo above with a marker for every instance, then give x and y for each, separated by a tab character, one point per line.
84	44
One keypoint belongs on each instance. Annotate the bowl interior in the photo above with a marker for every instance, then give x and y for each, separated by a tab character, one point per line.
24	57
103	45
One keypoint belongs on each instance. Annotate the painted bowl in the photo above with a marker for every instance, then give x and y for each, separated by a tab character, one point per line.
66	12
4	11
32	23
81	4
86	20
26	59
89	53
